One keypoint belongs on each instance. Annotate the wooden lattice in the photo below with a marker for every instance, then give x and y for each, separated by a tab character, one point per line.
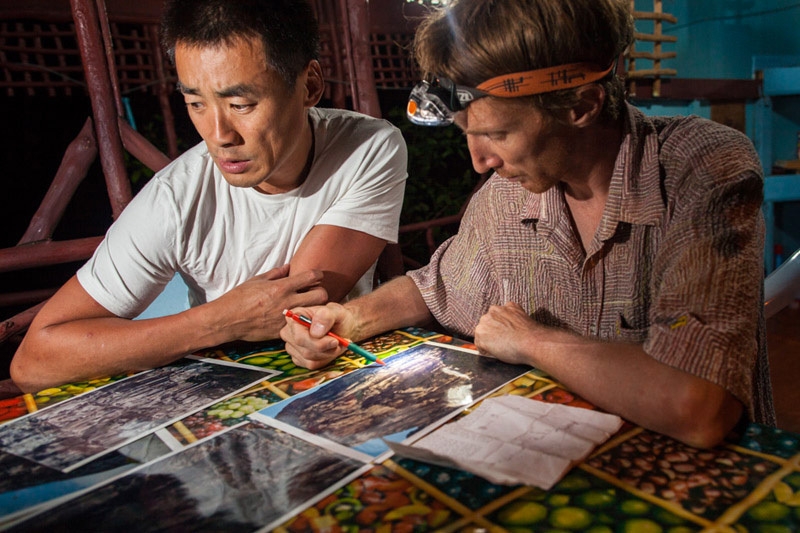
653	53
140	62
392	62
39	57
42	57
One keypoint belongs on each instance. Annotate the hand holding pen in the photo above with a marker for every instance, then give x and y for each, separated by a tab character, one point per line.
350	345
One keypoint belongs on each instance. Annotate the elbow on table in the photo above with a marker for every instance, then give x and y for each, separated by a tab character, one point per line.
703	436
20	377
704	420
24	372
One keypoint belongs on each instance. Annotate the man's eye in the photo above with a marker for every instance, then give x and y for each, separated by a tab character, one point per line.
242	107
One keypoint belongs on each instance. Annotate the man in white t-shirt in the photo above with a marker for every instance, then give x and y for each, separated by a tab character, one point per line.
281	205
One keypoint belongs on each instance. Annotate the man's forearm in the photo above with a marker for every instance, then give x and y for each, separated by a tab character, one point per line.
396	304
94	347
618	377
624	379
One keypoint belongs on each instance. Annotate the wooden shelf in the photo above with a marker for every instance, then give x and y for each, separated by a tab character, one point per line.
717	90
781	78
792	164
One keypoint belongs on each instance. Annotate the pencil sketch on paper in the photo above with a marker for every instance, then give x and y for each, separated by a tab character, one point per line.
240	480
415	389
73	433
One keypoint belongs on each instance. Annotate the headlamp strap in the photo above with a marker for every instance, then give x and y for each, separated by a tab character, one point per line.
543	80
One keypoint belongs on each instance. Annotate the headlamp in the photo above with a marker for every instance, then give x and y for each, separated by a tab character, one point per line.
435	102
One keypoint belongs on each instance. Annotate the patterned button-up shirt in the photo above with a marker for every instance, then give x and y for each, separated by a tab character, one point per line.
676	263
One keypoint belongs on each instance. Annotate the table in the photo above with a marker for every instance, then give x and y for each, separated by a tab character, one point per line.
227	472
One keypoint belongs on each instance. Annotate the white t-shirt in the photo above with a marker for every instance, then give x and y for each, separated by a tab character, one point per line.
188	219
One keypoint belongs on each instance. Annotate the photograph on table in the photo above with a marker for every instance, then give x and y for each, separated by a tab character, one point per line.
248	477
76	431
392	342
227	413
293	380
25	485
417	388
25	404
235	409
268	355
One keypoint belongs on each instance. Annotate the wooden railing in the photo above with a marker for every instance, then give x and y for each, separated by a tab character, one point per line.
655	39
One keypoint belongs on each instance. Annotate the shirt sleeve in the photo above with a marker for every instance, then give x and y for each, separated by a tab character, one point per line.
135	260
459	282
708	276
374	199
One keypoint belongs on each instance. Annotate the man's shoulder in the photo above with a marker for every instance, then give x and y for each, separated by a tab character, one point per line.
321	114
188	179
350	122
696	155
345	138
699	128
690	141
187	168
692	132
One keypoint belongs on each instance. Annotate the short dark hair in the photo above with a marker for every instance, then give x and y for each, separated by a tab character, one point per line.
287	28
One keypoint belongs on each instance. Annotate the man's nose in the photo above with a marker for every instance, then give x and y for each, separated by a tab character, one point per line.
222	130
483	158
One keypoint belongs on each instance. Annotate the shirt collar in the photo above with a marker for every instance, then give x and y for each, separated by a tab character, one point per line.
637	173
630	196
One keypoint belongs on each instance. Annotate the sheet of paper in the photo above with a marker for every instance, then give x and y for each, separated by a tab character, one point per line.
513	440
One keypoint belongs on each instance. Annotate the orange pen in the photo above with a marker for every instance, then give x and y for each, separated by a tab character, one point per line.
350	345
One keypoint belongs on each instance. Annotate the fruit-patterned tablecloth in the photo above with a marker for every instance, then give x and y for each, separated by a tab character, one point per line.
638	481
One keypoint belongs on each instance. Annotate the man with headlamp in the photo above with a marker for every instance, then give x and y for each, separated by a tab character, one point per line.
621	254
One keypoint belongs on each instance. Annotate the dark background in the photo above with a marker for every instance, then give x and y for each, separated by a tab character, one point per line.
35	133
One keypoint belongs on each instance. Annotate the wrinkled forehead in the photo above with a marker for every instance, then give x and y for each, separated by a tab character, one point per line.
492	114
234	44
235	70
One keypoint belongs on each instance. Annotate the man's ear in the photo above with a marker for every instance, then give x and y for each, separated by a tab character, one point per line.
590	103
314	83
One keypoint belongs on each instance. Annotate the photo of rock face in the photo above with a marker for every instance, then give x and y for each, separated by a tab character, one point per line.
74	432
415	389
240	480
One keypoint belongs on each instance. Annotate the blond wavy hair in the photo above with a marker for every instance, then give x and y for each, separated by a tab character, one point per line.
471	41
